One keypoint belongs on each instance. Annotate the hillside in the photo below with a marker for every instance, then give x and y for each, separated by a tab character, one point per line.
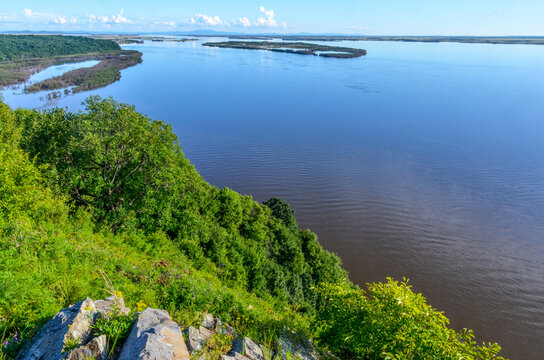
108	194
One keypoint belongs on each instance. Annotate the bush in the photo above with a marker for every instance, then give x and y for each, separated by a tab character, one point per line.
391	322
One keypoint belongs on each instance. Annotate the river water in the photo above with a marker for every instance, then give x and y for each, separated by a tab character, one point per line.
423	161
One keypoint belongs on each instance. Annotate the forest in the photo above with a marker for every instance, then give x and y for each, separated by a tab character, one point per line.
24	47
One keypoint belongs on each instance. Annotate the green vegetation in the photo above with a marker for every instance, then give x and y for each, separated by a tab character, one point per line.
108	194
132	39
23	55
391	322
292	48
25	47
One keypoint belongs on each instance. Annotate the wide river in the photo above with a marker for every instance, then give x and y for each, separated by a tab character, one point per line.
423	161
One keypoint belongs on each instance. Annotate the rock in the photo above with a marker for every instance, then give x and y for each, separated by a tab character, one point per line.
205	333
96	349
302	351
196	339
106	306
208	321
154	337
248	348
224	328
71	323
236	356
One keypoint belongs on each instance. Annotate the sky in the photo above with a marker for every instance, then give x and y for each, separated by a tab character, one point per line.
378	17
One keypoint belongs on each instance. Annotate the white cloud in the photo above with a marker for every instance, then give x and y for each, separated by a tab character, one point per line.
107	21
244	21
50	18
201	19
165	23
269	19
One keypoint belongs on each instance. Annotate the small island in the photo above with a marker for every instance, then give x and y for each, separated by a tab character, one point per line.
130	39
23	55
292	48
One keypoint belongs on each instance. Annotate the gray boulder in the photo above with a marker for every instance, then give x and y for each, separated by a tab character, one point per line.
196	339
302	351
208	321
247	347
96	349
154	337
71	324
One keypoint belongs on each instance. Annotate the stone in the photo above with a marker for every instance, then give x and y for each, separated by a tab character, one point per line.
248	348
70	323
105	307
154	336
236	356
208	321
196	339
205	334
96	349
301	351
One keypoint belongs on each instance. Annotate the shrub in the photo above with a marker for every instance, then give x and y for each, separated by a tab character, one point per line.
390	322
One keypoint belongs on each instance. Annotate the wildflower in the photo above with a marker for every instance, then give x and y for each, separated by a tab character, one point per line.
140	306
118	294
6	343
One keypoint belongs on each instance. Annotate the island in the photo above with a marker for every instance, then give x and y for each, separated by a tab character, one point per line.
292	48
130	39
23	55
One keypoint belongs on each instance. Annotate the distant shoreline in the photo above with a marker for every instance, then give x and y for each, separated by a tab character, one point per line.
506	40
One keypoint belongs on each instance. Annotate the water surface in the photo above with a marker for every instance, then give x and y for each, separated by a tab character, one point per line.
421	160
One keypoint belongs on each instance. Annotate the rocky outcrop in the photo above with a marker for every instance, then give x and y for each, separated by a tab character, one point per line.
247	347
67	326
301	350
155	336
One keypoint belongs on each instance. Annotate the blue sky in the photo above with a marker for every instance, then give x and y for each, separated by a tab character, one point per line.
378	17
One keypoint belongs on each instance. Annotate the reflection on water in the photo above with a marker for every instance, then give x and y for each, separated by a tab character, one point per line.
418	160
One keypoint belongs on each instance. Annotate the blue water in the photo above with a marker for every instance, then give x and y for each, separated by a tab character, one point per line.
421	160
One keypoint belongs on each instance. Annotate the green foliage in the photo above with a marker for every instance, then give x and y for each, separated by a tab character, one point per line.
216	345
130	173
21	47
282	210
115	326
390	322
71	343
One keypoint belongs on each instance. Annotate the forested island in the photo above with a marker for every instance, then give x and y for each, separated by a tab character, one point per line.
292	48
139	39
23	55
104	201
